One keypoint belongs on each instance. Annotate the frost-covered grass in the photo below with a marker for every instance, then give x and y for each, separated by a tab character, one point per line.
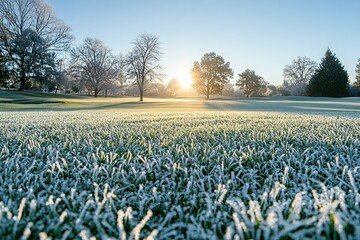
179	175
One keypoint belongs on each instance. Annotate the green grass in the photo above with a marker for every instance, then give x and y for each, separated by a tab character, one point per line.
33	101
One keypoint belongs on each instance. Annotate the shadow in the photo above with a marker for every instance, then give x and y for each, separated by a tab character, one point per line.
273	105
14	94
260	104
24	101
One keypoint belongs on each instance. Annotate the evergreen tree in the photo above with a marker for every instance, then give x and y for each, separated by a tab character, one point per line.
330	79
357	82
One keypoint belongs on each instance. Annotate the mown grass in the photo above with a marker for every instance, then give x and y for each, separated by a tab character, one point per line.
207	175
35	101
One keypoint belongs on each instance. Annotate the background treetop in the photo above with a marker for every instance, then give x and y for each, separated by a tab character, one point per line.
251	83
211	74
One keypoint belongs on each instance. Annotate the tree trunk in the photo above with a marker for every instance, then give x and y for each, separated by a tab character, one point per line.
106	92
22	79
141	95
207	93
96	92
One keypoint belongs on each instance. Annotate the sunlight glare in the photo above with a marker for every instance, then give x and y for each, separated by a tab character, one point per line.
185	81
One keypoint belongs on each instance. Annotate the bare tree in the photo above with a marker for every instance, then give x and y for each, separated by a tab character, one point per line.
211	74
117	84
95	64
298	74
29	30
143	62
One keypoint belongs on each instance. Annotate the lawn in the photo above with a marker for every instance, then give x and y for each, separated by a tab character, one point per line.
263	168
30	101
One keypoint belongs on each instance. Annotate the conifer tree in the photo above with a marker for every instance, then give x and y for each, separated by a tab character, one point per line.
357	82
330	79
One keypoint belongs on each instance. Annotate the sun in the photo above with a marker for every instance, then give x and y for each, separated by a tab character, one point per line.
185	81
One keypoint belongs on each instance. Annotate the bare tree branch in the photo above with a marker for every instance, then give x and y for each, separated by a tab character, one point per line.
298	74
142	63
95	64
20	17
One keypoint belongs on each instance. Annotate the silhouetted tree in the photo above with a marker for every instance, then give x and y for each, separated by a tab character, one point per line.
250	83
4	73
143	62
330	79
298	74
94	64
29	32
211	74
173	88
75	88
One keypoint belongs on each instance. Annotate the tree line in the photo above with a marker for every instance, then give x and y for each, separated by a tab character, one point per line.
303	77
33	42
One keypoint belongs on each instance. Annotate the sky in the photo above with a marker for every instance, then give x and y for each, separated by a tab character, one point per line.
261	35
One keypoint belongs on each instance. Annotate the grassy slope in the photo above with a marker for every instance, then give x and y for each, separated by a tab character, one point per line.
30	101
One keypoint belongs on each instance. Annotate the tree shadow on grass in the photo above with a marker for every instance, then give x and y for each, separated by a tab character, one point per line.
322	106
26	101
282	106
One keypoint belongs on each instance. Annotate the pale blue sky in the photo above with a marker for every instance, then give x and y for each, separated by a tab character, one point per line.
263	36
